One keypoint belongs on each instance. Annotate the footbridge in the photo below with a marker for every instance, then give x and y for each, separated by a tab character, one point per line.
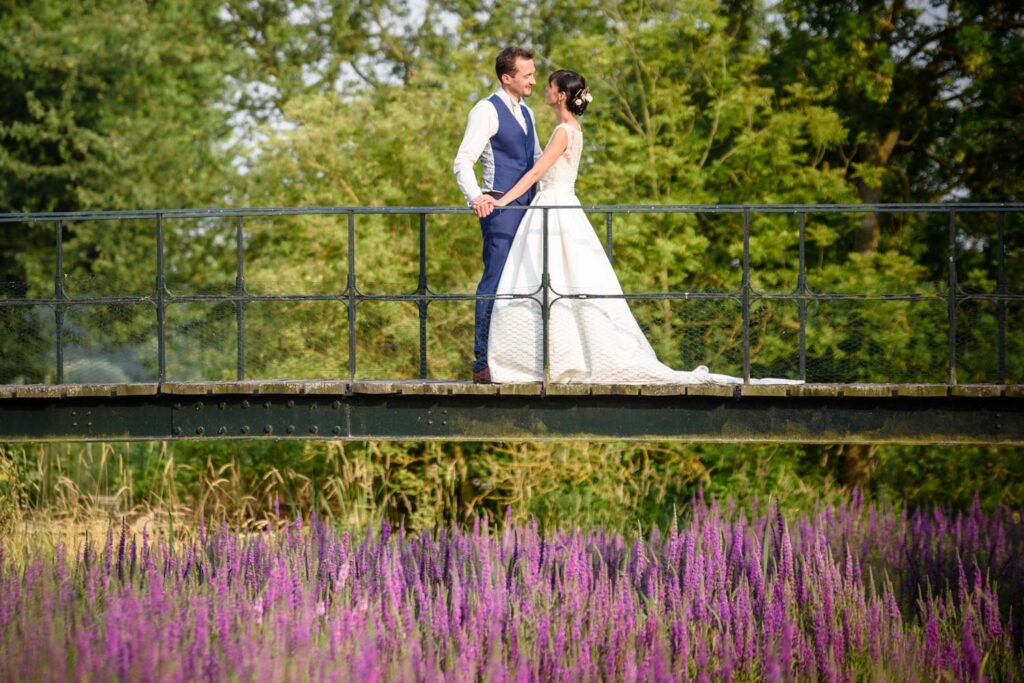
905	321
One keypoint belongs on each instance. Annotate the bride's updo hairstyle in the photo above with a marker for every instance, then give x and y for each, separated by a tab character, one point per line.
577	97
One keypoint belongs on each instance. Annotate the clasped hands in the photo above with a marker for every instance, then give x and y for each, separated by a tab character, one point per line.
485	204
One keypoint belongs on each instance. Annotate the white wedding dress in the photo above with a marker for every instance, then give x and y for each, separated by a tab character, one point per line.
595	341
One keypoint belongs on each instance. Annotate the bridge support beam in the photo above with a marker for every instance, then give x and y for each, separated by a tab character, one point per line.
721	414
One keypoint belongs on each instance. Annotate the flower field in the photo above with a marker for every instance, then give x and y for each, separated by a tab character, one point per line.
858	592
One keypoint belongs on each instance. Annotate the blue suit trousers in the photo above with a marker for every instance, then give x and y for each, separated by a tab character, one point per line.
498	231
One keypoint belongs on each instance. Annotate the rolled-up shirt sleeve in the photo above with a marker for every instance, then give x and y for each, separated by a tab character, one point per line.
481	126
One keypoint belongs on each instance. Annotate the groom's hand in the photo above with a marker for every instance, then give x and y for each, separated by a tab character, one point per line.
483	206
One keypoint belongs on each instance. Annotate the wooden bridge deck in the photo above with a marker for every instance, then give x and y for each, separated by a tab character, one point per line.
463	388
448	410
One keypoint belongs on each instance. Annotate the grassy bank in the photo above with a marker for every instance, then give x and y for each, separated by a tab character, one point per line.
427	485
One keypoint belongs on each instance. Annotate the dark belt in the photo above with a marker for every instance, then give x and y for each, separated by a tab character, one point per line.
494	193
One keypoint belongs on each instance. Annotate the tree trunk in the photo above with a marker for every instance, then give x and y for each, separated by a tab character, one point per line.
857	465
876	155
869	232
858	459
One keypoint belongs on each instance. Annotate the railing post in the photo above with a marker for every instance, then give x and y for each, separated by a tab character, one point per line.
58	294
351	287
545	284
421	291
801	302
1001	303
239	303
161	303
951	297
746	295
608	235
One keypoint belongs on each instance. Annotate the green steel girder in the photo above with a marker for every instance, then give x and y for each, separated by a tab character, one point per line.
806	419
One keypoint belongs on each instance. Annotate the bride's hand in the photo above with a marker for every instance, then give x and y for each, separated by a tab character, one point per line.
483	205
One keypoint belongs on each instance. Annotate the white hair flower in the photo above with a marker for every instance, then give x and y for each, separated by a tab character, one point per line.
588	97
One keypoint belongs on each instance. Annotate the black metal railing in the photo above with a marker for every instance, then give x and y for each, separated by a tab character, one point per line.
1001	295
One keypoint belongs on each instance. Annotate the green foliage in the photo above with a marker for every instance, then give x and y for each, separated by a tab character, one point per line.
111	104
925	89
949	476
108	105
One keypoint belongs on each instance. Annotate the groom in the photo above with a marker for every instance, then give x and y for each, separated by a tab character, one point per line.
500	134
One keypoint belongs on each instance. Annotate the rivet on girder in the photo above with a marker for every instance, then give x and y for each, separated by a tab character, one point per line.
222	405
266	404
222	430
268	429
245	403
337	404
200	431
290	429
291	403
245	429
177	431
199	406
177	406
314	429
337	429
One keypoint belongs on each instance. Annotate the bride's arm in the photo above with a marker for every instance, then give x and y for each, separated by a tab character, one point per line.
559	141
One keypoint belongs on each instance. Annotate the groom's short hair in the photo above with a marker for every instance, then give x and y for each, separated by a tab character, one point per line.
506	61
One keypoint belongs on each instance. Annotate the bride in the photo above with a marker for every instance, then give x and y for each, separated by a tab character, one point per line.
590	340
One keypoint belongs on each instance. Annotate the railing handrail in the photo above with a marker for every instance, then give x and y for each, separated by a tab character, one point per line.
234	212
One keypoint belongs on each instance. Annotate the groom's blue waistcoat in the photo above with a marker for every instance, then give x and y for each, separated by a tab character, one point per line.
512	149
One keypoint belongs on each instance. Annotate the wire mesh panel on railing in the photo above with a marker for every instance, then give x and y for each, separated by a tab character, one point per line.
295	268
887	293
451	271
990	312
27	340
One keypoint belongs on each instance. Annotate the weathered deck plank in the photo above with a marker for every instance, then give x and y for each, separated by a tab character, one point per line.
569	390
815	390
979	390
764	390
922	390
869	390
533	389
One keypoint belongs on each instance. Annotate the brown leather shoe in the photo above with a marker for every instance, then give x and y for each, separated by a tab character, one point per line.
482	376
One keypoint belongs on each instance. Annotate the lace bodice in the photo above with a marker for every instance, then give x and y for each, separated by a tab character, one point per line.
562	174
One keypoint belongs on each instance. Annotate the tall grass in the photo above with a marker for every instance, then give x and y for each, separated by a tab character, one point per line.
420	485
426	485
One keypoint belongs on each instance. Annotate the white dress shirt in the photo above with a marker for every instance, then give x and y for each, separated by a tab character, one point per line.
476	143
